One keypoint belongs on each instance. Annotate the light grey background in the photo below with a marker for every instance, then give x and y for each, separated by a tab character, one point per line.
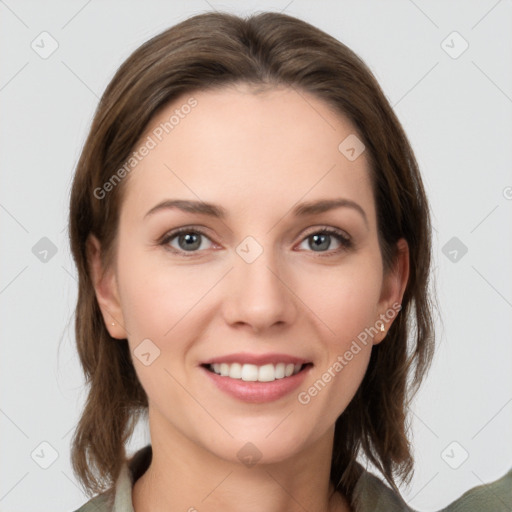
457	114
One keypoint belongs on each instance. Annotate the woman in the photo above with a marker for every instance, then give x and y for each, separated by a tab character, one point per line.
252	239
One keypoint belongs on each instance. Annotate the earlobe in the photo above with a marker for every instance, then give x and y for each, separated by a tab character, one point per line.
106	290
393	289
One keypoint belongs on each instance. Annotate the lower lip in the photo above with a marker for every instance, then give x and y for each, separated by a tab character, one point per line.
257	392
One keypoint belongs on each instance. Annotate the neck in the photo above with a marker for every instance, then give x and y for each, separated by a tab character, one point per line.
183	476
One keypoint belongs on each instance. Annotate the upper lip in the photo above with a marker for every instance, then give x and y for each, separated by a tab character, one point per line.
256	359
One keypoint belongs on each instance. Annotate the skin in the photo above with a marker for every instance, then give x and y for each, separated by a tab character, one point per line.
257	155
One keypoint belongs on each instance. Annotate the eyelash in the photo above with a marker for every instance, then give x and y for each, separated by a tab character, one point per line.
346	243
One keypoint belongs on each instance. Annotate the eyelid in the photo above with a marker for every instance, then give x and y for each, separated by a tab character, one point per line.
328	229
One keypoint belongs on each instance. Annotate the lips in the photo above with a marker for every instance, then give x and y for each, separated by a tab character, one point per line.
256	359
257	377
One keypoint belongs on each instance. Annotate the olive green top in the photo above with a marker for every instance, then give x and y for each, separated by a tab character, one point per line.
370	493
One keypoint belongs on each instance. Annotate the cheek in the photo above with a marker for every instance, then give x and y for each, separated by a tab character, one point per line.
159	303
346	299
155	297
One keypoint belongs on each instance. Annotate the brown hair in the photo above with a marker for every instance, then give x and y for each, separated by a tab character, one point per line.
264	50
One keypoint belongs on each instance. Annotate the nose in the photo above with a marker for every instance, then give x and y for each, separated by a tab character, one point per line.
258	295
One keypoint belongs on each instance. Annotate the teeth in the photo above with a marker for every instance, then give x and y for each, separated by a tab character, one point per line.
253	373
250	372
235	371
267	373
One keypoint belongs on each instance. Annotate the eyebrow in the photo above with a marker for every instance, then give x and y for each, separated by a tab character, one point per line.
213	210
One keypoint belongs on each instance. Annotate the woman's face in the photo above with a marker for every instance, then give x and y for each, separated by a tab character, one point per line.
256	288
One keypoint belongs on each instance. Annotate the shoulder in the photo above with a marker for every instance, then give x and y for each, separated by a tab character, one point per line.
495	496
101	503
119	497
371	494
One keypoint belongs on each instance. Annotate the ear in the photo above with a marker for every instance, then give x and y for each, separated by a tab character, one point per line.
393	289
105	287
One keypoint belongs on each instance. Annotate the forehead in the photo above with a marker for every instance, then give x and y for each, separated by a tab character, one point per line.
264	150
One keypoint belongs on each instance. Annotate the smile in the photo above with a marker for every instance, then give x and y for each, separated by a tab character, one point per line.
252	373
256	378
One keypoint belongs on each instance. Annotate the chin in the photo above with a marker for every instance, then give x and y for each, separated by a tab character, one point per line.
252	446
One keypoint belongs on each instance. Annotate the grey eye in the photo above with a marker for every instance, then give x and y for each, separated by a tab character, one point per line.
188	241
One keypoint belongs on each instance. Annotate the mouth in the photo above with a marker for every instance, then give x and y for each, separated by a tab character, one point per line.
257	378
256	373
